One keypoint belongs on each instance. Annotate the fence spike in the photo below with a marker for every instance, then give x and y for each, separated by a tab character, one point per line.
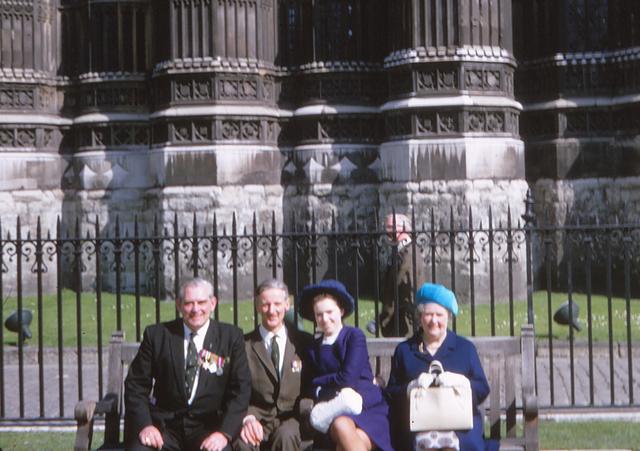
234	224
273	222
176	226
195	224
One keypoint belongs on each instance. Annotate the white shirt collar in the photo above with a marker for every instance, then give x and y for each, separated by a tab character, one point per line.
200	333
331	339
267	334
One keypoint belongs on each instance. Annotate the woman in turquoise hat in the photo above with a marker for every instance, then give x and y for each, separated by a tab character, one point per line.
436	305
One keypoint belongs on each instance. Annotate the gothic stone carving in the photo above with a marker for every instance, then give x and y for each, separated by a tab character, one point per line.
401	125
113	135
336	86
336	166
353	128
446	77
197	88
582	122
95	96
219	130
604	76
30	138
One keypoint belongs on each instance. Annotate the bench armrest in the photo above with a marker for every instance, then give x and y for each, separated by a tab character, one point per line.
529	397
107	405
83	414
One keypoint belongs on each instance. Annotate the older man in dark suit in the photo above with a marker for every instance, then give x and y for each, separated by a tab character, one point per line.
274	352
196	371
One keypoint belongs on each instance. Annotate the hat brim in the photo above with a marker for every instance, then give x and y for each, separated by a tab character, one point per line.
305	303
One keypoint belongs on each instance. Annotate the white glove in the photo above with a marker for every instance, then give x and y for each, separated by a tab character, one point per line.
422	381
448	379
425	380
348	402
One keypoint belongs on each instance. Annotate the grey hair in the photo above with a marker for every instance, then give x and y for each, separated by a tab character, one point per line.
195	282
272	284
402	222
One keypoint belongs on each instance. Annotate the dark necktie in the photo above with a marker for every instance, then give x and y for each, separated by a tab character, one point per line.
275	355
192	366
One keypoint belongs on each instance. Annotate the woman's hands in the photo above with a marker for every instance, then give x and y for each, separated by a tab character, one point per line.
424	380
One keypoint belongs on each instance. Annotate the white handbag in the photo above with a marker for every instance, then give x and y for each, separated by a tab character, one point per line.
440	408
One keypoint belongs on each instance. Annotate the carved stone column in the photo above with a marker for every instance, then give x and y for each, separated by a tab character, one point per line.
451	121
579	80
336	84
30	130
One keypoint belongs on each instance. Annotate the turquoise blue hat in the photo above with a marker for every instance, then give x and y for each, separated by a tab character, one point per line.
433	292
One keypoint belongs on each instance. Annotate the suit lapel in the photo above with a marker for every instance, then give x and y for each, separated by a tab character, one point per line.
257	347
177	354
289	355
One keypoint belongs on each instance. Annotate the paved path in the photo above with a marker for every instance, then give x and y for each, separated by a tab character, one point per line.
565	387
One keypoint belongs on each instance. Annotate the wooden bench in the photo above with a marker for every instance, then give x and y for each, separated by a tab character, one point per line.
509	363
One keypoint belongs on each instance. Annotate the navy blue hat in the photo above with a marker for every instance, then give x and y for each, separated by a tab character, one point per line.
329	286
439	294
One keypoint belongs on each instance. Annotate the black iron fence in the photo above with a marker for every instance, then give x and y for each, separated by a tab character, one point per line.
65	290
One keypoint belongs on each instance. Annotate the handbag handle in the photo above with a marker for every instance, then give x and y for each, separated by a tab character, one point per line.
436	369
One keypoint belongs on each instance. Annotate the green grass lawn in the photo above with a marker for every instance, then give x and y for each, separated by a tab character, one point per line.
564	435
89	317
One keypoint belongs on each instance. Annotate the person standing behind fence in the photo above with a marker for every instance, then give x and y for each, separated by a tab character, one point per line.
196	371
274	353
397	275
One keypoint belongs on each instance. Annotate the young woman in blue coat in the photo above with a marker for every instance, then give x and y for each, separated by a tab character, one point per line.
350	409
434	341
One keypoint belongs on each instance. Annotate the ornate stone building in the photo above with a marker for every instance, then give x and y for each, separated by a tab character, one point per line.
579	82
124	108
115	107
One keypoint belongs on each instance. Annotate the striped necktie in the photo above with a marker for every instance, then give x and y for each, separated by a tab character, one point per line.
275	355
192	366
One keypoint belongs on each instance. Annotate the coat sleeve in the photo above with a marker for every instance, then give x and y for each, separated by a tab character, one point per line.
238	391
397	385
355	358
138	384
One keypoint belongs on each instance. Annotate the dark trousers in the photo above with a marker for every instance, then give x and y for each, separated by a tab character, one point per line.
179	434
